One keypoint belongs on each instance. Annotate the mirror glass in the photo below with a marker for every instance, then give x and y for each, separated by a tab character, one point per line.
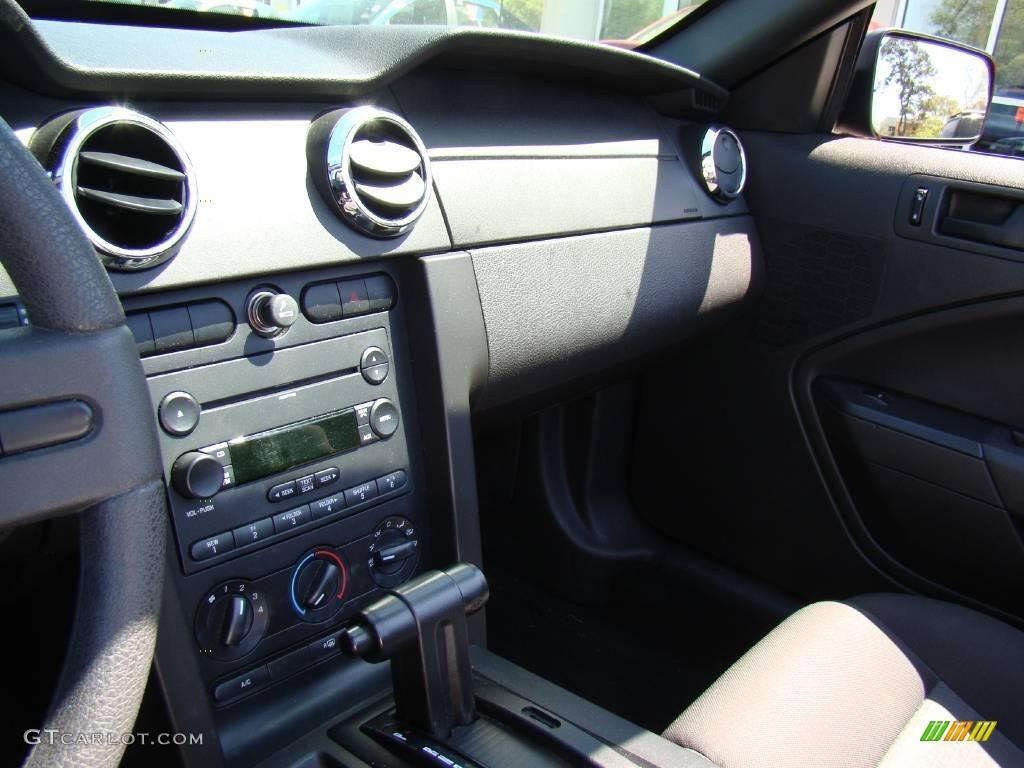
927	90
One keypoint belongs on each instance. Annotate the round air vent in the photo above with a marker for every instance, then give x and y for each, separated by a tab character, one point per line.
127	181
723	164
372	168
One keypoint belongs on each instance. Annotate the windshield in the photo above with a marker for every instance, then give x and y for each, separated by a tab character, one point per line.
624	23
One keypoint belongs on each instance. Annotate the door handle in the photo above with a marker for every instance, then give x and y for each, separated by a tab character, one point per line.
1009	234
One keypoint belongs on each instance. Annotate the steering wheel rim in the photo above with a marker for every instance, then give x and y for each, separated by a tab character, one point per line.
78	348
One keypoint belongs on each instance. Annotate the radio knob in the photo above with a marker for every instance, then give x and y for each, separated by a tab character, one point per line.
197	475
384	418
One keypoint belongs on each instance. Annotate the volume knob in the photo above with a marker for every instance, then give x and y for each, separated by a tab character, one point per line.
197	475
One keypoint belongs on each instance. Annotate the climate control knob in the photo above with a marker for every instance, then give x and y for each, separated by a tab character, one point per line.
394	551
318	587
231	620
197	475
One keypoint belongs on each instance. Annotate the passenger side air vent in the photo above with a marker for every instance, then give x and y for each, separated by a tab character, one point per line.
127	182
372	168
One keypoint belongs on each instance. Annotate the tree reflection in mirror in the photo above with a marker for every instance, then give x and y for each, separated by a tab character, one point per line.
927	90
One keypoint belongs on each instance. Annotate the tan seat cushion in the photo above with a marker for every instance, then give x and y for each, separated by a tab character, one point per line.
848	684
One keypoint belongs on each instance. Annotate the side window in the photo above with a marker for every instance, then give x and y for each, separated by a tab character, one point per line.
996	26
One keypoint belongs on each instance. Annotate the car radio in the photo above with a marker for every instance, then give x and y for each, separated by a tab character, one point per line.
293	452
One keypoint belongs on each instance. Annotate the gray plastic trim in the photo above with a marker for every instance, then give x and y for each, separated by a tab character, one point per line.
556	310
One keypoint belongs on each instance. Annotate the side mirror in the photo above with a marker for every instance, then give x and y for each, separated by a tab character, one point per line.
916	88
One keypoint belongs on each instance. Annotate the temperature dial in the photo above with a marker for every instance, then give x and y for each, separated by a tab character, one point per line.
318	585
231	620
394	551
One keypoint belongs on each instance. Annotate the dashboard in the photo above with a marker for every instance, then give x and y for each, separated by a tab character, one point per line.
334	266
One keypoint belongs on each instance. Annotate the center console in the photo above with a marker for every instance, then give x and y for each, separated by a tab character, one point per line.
320	483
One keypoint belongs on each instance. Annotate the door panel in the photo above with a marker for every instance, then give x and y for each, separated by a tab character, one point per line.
805	481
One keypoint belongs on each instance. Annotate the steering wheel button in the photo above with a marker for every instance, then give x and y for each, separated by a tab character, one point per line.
179	413
213	546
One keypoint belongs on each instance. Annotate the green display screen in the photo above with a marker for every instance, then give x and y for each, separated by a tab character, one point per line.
277	450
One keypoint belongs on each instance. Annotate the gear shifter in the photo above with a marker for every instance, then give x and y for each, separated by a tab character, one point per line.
421	627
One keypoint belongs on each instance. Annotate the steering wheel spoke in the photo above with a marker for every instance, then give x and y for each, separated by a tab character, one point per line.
75	422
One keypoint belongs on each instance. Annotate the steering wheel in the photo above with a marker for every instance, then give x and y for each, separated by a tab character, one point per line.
76	370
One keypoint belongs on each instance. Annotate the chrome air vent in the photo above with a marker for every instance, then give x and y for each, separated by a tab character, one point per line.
127	182
372	168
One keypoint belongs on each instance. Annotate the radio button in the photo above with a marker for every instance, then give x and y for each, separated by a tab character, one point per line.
293	518
282	491
374	365
367	436
327	506
373	356
179	413
220	452
376	374
327	476
213	546
392	482
361	493
363	414
229	478
306	484
253	532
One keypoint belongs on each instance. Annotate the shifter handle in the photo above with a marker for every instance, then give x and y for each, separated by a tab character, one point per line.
430	669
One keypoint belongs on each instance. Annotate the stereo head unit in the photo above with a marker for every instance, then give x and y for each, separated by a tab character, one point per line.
261	466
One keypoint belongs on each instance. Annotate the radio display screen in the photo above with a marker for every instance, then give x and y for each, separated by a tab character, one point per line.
277	450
